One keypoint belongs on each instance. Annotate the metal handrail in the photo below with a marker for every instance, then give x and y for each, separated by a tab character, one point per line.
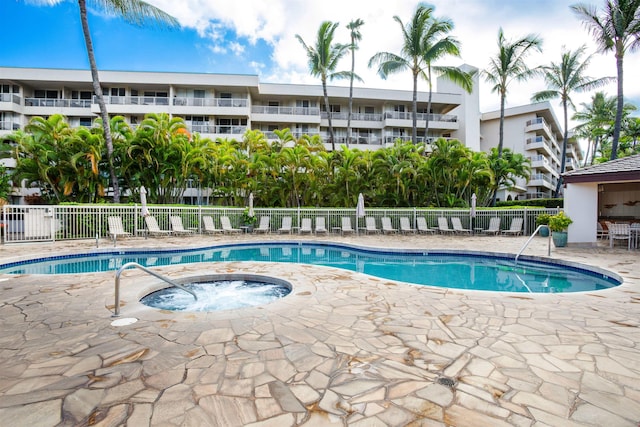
153	273
531	238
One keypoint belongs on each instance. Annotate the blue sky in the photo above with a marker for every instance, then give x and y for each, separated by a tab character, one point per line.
258	37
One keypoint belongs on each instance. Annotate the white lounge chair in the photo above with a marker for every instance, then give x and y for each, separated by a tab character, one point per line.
264	226
177	227
346	226
305	226
423	228
226	226
209	225
457	226
286	225
516	227
116	229
321	227
494	226
443	225
370	225
405	225
387	227
153	228
619	232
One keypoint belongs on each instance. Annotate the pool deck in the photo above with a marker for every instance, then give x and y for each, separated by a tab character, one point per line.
342	349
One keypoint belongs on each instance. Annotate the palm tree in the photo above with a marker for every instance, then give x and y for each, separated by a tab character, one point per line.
617	29
356	36
136	12
323	60
598	116
411	56
562	79
438	45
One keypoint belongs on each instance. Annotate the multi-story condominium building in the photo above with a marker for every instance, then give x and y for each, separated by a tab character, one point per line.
225	106
533	131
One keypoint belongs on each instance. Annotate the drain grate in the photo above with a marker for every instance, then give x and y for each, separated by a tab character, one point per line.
446	381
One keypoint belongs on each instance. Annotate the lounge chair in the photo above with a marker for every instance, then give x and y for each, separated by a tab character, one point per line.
286	225
370	225
153	228
209	225
516	227
305	226
619	232
422	226
457	226
320	225
387	228
443	225
116	229
177	227
226	226
346	226
602	233
264	226
494	226
405	226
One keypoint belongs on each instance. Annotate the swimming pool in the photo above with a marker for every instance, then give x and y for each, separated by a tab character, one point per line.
449	269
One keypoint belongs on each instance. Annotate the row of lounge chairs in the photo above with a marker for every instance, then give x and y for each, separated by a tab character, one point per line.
116	228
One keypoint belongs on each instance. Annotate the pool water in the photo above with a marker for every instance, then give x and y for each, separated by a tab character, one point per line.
474	271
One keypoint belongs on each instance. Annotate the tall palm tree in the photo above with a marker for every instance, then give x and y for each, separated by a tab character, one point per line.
323	60
616	29
598	116
356	36
562	79
137	12
509	65
437	45
411	56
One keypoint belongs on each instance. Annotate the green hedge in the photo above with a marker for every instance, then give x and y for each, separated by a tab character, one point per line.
543	203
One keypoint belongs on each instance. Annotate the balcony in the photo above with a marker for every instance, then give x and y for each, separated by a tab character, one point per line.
10	97
206	128
540	180
273	114
365	117
538	124
405	119
296	134
540	162
210	102
9	125
57	103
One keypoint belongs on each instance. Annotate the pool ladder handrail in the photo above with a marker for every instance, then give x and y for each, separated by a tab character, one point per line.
116	311
531	238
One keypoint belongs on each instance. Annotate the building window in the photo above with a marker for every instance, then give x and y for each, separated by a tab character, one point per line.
117	91
369	110
85	121
304	103
226	95
398	108
198	93
46	94
274	104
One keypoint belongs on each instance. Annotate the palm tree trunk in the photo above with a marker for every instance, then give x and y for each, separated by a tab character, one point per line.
426	125
326	106
414	113
353	67
98	91
556	194
500	143
618	122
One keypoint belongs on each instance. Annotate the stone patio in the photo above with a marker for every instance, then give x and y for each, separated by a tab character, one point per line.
342	349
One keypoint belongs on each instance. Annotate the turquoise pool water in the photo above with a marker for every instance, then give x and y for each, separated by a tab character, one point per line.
476	271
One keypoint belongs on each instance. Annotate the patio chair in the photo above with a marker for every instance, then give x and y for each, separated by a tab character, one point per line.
286	225
443	225
494	226
457	226
320	225
422	226
305	226
346	226
370	225
516	227
405	225
619	232
116	228
387	228
177	227
209	226
601	232
226	226
153	228
264	226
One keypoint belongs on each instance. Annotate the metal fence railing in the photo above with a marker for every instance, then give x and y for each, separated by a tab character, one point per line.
28	223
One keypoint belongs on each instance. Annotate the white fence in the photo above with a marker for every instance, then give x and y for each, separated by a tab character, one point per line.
28	223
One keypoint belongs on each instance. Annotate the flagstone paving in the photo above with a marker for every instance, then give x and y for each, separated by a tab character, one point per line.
342	349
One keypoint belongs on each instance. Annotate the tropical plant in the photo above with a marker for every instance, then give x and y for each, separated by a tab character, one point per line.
356	36
616	28
562	79
543	219
507	168
559	222
323	60
598	117
411	56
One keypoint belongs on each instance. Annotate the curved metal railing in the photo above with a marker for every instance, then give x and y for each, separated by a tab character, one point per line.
531	238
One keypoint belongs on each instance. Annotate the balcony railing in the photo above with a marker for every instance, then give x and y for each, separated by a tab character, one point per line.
536	121
9	97
420	116
9	125
296	134
369	117
290	111
58	103
218	129
210	102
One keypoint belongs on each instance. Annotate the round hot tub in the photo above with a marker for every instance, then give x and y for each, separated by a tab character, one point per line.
219	292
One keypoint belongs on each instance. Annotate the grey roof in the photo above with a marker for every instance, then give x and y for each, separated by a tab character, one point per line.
625	168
